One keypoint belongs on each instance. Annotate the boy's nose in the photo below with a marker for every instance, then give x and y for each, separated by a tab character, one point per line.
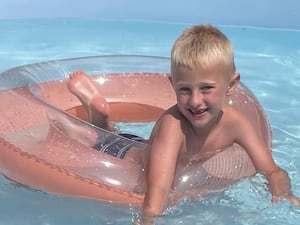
196	99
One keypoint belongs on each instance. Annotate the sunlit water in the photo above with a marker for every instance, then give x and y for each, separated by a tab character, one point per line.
269	62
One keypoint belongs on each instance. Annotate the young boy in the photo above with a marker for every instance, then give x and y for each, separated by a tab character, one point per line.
203	74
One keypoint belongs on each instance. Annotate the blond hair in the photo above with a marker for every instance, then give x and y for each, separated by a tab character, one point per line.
202	45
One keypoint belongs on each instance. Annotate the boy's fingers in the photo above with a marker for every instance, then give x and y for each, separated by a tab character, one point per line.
294	200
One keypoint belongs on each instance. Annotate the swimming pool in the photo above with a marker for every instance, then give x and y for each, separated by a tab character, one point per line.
268	60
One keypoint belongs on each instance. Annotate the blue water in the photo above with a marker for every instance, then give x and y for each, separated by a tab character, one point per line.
269	62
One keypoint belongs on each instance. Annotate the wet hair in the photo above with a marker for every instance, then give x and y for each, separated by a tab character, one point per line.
202	45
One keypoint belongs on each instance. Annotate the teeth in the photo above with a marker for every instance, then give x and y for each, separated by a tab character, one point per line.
198	111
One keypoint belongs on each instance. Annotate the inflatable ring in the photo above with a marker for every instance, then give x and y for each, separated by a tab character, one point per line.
36	152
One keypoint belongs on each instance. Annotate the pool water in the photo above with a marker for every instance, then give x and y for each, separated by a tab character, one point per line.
269	63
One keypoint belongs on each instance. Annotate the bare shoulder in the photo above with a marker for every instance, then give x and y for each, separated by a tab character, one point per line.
236	122
167	134
233	116
238	126
169	122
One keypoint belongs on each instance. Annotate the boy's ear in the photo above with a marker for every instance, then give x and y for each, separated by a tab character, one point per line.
170	78
235	79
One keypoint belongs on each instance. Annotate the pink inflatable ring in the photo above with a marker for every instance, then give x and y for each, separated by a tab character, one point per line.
37	153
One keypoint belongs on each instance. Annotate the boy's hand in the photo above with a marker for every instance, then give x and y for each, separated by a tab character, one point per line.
294	200
280	186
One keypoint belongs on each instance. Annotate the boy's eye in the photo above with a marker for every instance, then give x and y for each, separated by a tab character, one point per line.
184	90
206	88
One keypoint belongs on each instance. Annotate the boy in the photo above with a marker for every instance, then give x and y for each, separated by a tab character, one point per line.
203	74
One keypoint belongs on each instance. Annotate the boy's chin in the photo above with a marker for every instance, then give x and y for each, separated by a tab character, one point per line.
199	123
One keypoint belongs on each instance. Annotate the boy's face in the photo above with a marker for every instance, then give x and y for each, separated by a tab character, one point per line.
201	93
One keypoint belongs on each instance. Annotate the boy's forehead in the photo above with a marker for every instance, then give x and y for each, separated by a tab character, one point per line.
218	68
209	72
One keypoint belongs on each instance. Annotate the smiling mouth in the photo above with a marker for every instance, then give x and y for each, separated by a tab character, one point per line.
198	113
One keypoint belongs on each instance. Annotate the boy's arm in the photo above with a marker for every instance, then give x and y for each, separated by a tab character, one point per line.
280	186
166	141
278	179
